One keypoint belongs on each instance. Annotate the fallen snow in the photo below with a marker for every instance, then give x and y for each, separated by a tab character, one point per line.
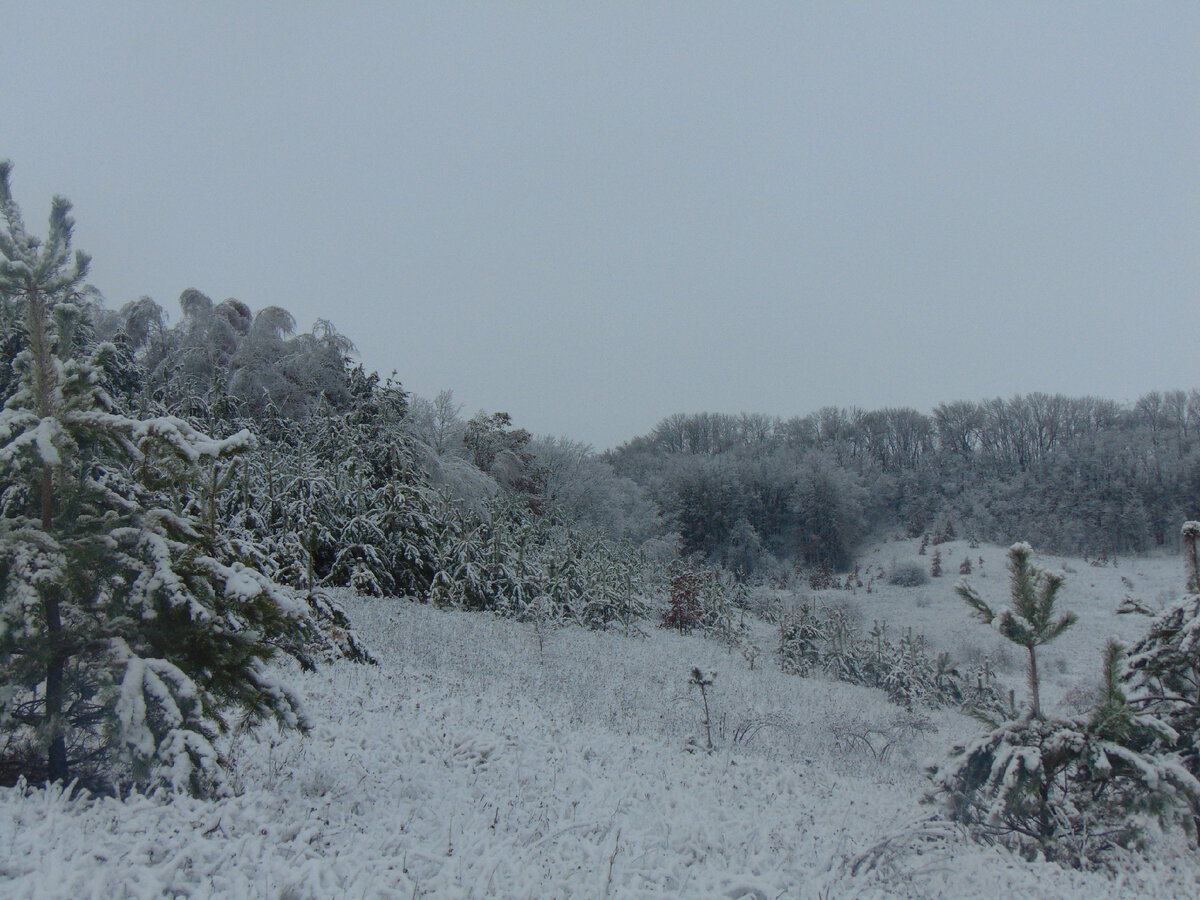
483	759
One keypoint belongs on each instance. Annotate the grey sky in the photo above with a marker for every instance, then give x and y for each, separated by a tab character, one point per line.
595	215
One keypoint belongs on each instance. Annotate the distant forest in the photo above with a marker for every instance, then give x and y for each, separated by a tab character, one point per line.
1070	475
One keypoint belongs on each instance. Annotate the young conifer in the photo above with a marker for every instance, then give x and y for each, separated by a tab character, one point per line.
1164	666
126	634
1079	790
1032	621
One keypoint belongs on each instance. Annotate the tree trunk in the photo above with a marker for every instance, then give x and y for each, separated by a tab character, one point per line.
58	770
1035	693
45	384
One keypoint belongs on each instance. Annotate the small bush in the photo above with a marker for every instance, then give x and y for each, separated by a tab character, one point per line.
706	599
683	611
945	534
907	574
828	640
822	579
878	738
1078	791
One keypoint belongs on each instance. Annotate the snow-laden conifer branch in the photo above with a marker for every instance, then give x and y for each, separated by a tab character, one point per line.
126	629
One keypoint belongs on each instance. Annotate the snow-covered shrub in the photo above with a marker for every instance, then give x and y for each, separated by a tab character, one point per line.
822	578
703	599
880	738
814	639
517	563
945	534
1164	666
907	574
683	602
339	500
1076	790
335	635
802	638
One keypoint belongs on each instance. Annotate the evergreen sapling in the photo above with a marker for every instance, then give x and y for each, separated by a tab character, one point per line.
1032	620
127	637
1079	790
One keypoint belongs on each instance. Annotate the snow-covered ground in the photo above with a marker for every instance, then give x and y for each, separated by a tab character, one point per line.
1092	592
483	759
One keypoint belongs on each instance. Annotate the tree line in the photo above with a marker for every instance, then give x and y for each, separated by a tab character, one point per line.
1072	474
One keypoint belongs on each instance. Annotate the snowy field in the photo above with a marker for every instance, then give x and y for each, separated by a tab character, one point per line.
483	759
1091	592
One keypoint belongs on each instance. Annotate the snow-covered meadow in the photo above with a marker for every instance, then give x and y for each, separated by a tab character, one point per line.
484	757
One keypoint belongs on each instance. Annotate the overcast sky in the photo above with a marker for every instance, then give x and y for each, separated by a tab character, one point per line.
595	215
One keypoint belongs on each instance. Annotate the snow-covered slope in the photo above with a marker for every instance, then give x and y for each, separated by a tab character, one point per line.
1093	592
481	759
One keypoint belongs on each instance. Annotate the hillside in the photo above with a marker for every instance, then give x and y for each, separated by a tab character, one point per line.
481	758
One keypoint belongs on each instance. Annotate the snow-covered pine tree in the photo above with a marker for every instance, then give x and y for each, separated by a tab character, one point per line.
1076	789
1031	622
1164	666
127	641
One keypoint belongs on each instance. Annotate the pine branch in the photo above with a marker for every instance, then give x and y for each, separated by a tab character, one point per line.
978	605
